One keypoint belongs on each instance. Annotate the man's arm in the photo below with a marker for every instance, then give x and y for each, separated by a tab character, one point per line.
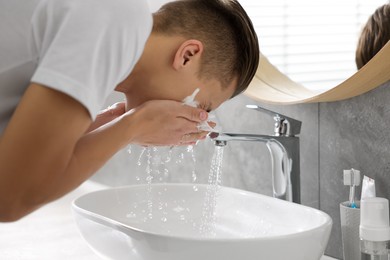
45	153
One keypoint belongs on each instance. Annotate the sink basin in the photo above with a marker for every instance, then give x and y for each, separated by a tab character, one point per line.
183	221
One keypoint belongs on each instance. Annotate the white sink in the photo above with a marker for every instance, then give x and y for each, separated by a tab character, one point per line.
174	222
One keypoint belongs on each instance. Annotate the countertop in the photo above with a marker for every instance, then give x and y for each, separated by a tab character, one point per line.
50	233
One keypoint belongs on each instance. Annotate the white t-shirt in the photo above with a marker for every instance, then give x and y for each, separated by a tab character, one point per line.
83	48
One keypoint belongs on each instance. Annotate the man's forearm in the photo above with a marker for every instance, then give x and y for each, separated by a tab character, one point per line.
92	151
44	152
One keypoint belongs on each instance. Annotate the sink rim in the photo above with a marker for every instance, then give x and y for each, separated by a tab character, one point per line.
125	228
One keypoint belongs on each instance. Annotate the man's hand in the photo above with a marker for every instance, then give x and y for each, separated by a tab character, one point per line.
166	123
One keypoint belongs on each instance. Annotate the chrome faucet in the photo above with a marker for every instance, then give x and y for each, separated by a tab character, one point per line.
284	150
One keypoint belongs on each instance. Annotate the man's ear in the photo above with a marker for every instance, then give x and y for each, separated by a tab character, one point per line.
187	52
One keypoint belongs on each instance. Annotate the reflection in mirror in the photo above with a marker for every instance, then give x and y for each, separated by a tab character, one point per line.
312	42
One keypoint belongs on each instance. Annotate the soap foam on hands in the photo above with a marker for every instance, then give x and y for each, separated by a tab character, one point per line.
190	101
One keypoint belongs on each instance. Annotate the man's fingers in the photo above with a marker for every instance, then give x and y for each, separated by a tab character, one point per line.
193	137
212	124
194	114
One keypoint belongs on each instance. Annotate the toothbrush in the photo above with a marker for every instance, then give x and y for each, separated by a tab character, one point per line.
352	179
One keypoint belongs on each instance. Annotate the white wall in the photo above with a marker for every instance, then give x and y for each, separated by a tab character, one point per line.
155	4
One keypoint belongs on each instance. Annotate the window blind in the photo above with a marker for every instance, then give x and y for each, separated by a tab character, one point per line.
313	42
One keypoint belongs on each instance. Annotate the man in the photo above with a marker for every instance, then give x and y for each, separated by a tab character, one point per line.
375	34
60	59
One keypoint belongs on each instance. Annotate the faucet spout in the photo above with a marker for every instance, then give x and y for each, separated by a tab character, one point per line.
284	152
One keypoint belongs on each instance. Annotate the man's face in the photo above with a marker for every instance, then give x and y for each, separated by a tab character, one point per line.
211	93
165	86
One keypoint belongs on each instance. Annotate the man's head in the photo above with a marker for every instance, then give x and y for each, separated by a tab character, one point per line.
206	44
375	34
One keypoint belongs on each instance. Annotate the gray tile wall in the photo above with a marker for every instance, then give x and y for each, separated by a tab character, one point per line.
334	136
353	133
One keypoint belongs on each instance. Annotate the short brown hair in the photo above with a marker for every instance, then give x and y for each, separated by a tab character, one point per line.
231	45
375	34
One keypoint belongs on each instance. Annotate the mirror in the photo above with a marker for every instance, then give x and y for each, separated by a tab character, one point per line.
312	42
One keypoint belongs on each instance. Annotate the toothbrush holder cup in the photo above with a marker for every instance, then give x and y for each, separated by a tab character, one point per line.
350	221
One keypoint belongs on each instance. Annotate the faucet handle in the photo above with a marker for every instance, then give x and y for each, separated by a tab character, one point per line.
284	125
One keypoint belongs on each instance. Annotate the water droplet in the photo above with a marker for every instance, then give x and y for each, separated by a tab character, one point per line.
131	215
164	219
178	209
166	173
190	150
169	157
139	162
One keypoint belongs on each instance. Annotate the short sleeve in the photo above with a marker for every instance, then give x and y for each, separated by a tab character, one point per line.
85	48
